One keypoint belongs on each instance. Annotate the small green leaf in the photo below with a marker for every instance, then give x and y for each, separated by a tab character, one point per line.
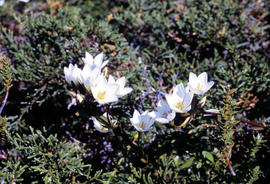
208	155
199	165
188	163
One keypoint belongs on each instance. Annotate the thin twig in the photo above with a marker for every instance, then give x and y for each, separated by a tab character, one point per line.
228	155
249	122
4	101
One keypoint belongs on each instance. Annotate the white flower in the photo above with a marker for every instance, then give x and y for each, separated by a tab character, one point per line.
164	113
121	90
99	126
180	100
97	62
25	1
73	74
103	92
2	2
143	122
90	76
199	85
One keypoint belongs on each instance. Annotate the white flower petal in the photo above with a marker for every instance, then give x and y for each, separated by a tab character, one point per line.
188	108
67	72
98	59
2	2
213	111
171	116
126	91
104	64
163	120
111	79
121	81
136	114
209	85
88	60
179	90
170	99
202	78
188	98
192	79
99	127
25	1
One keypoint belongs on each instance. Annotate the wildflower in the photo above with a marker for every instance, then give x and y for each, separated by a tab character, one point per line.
121	90
199	85
104	92
72	74
143	122
90	76
2	2
180	100
164	113
99	126
97	61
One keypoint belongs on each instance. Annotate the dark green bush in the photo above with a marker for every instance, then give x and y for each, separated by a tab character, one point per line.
155	44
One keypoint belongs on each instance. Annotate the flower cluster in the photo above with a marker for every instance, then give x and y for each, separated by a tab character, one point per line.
180	101
91	77
108	90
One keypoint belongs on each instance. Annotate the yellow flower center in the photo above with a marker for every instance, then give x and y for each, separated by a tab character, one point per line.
198	87
102	128
101	95
165	114
180	106
142	125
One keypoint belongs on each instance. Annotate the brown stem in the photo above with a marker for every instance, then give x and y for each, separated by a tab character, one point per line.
249	122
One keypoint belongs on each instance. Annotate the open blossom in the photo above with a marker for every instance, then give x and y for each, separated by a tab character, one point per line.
180	100
199	85
121	90
143	122
90	76
73	74
97	61
164	113
99	126
104	92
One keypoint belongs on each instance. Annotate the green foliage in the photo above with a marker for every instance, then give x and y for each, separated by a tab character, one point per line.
155	44
36	157
3	127
5	71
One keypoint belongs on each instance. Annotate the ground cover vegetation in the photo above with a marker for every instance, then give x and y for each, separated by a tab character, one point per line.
134	91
